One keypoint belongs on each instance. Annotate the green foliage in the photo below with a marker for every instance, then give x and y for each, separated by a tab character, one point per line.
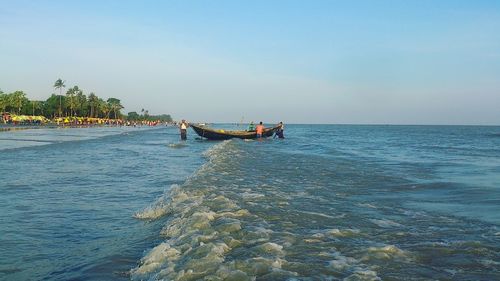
51	105
133	116
59	84
103	108
93	103
33	107
115	106
74	103
162	117
4	101
82	104
16	100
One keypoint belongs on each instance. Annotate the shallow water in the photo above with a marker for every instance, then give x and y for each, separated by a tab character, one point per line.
329	202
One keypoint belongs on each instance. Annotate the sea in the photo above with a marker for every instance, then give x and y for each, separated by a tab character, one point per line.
328	202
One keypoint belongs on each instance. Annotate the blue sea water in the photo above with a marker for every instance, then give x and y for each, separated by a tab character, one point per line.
329	202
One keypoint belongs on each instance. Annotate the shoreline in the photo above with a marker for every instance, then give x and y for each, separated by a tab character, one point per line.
12	127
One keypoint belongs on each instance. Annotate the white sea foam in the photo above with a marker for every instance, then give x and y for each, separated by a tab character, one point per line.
237	214
250	195
214	150
385	253
207	223
341	262
177	145
163	205
155	259
318	235
490	263
191	231
158	209
270	248
357	270
318	214
363	275
228	225
204	227
343	233
367	205
385	223
232	275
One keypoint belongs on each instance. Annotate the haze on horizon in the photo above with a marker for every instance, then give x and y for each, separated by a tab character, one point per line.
369	62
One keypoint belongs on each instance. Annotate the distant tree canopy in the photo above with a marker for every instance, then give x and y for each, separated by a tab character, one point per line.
134	116
73	103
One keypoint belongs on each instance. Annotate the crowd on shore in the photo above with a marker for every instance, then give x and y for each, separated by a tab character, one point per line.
34	120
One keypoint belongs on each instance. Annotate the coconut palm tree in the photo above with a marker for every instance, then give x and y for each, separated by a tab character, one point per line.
4	102
35	105
17	99
115	106
81	101
72	101
103	108
93	102
59	84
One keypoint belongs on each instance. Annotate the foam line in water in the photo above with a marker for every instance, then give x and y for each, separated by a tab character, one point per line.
385	253
206	229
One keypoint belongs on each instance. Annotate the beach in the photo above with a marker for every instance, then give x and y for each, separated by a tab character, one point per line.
354	202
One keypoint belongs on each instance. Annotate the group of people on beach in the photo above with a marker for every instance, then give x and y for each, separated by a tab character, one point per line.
259	129
32	120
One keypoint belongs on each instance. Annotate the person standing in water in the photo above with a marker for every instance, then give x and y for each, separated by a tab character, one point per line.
251	127
183	127
259	129
279	131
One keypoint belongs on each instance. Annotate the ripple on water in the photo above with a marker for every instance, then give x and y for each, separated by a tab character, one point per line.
242	217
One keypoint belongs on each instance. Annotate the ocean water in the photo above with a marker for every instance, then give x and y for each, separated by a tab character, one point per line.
329	202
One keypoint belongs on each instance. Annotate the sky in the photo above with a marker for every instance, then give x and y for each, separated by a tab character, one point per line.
340	62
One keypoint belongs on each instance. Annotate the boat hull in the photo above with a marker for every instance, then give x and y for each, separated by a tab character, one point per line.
213	134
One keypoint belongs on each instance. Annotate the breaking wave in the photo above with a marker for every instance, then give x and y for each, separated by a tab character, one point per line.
242	217
205	229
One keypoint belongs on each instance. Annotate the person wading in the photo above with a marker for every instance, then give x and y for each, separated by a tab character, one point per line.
259	129
251	127
183	127
280	130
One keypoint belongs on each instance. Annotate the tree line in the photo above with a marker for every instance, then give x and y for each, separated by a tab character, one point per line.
73	103
145	116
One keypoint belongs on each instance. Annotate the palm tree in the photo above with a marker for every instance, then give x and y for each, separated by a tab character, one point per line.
59	84
4	102
81	101
94	103
36	105
72	101
103	108
115	106
17	99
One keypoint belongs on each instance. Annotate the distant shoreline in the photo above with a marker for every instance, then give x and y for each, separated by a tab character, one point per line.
374	124
12	127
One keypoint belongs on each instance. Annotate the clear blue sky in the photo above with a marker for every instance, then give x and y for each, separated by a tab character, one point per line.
398	62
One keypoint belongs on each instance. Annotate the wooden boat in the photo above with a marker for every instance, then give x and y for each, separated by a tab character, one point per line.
219	134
